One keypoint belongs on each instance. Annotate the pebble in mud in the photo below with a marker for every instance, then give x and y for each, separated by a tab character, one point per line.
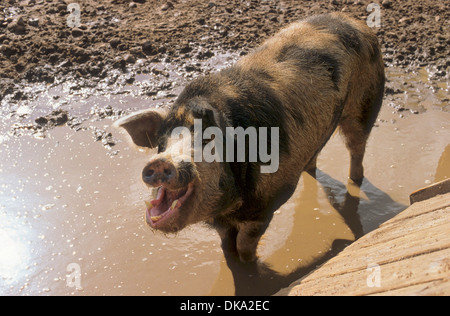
56	118
17	27
76	32
107	111
107	139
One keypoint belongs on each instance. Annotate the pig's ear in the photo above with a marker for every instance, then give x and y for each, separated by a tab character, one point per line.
143	126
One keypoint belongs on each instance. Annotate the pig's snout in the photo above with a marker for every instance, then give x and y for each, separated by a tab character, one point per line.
158	172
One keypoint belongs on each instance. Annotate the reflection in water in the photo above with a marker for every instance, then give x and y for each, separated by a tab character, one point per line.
362	209
14	256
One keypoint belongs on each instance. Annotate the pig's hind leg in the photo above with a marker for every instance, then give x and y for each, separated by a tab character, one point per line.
356	125
355	140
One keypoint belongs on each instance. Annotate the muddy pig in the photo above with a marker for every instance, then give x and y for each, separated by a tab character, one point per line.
287	97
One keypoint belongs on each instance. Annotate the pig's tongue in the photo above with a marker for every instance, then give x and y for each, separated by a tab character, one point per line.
165	202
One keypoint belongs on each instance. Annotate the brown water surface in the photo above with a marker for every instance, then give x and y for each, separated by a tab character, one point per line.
66	199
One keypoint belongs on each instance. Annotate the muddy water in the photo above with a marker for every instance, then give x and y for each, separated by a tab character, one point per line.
71	209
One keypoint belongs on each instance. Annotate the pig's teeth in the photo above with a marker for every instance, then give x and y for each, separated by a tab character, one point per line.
174	204
155	218
149	205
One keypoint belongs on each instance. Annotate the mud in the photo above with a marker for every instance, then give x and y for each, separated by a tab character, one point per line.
41	42
69	184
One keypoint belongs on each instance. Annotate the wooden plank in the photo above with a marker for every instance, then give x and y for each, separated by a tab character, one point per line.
442	187
428	206
392	277
431	288
414	225
411	253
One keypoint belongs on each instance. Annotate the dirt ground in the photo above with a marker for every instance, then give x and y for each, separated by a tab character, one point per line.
38	45
69	184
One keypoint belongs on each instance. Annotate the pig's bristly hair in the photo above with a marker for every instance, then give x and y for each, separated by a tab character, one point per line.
149	140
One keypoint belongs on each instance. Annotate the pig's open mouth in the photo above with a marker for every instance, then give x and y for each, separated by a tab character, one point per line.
166	206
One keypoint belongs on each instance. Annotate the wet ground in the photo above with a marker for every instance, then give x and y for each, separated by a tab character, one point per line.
72	194
71	199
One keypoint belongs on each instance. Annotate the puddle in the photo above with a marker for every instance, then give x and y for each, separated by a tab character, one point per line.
65	199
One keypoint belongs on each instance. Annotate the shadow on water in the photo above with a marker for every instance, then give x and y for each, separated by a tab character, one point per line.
362	208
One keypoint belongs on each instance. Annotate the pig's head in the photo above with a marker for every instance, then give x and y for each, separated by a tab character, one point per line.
184	190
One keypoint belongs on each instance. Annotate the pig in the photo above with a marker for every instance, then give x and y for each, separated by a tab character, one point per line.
317	75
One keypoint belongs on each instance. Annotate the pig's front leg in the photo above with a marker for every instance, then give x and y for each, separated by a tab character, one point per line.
248	238
242	241
228	236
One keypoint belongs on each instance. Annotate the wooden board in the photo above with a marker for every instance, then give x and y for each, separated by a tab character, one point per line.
408	255
430	191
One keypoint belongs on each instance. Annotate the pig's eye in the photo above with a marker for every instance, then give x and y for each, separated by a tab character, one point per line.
161	149
162	145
